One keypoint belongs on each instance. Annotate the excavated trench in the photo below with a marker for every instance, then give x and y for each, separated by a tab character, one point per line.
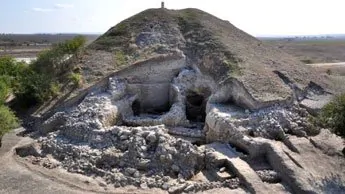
133	118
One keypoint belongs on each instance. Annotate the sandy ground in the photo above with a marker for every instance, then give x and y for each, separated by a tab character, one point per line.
19	176
340	64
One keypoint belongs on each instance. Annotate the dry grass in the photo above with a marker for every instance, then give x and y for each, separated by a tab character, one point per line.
316	51
336	74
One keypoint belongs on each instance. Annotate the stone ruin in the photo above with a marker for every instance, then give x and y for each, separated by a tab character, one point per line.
163	123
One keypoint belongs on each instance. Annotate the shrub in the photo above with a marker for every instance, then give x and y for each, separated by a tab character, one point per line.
8	120
53	61
76	79
120	58
333	115
35	88
4	89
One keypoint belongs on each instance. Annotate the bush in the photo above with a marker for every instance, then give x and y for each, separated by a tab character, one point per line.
35	88
333	115
53	61
120	58
4	90
8	120
76	79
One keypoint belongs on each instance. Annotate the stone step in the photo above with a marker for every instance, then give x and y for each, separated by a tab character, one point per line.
246	174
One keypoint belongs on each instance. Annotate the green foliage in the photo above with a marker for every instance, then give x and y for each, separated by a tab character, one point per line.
35	88
76	79
40	82
8	120
53	61
72	46
119	30
4	91
333	115
120	58
234	69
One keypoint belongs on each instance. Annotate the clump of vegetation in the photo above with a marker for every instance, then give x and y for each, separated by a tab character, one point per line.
76	79
329	72
307	61
234	69
333	115
9	70
42	79
8	120
54	61
36	82
120	58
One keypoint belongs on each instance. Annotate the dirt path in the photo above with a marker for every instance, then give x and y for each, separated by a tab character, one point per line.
327	64
15	178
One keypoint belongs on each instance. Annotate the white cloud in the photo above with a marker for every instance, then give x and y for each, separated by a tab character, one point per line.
37	9
63	6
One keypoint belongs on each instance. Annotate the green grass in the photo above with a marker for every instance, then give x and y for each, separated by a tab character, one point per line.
8	120
76	79
120	58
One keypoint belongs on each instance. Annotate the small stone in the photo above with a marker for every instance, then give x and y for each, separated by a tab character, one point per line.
181	180
123	137
222	169
143	148
117	184
144	186
143	164
175	168
165	186
136	174
189	188
130	171
151	137
165	178
177	189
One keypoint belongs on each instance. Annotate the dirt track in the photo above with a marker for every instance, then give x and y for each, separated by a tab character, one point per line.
340	64
15	178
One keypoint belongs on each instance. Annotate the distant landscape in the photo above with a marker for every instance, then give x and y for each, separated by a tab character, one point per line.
29	45
313	48
308	49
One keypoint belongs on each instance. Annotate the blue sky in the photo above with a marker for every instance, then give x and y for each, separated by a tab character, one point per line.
257	17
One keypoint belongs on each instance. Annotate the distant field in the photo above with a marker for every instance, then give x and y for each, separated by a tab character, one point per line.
29	45
313	51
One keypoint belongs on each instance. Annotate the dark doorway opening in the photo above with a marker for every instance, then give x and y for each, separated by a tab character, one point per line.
140	110
136	108
196	106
